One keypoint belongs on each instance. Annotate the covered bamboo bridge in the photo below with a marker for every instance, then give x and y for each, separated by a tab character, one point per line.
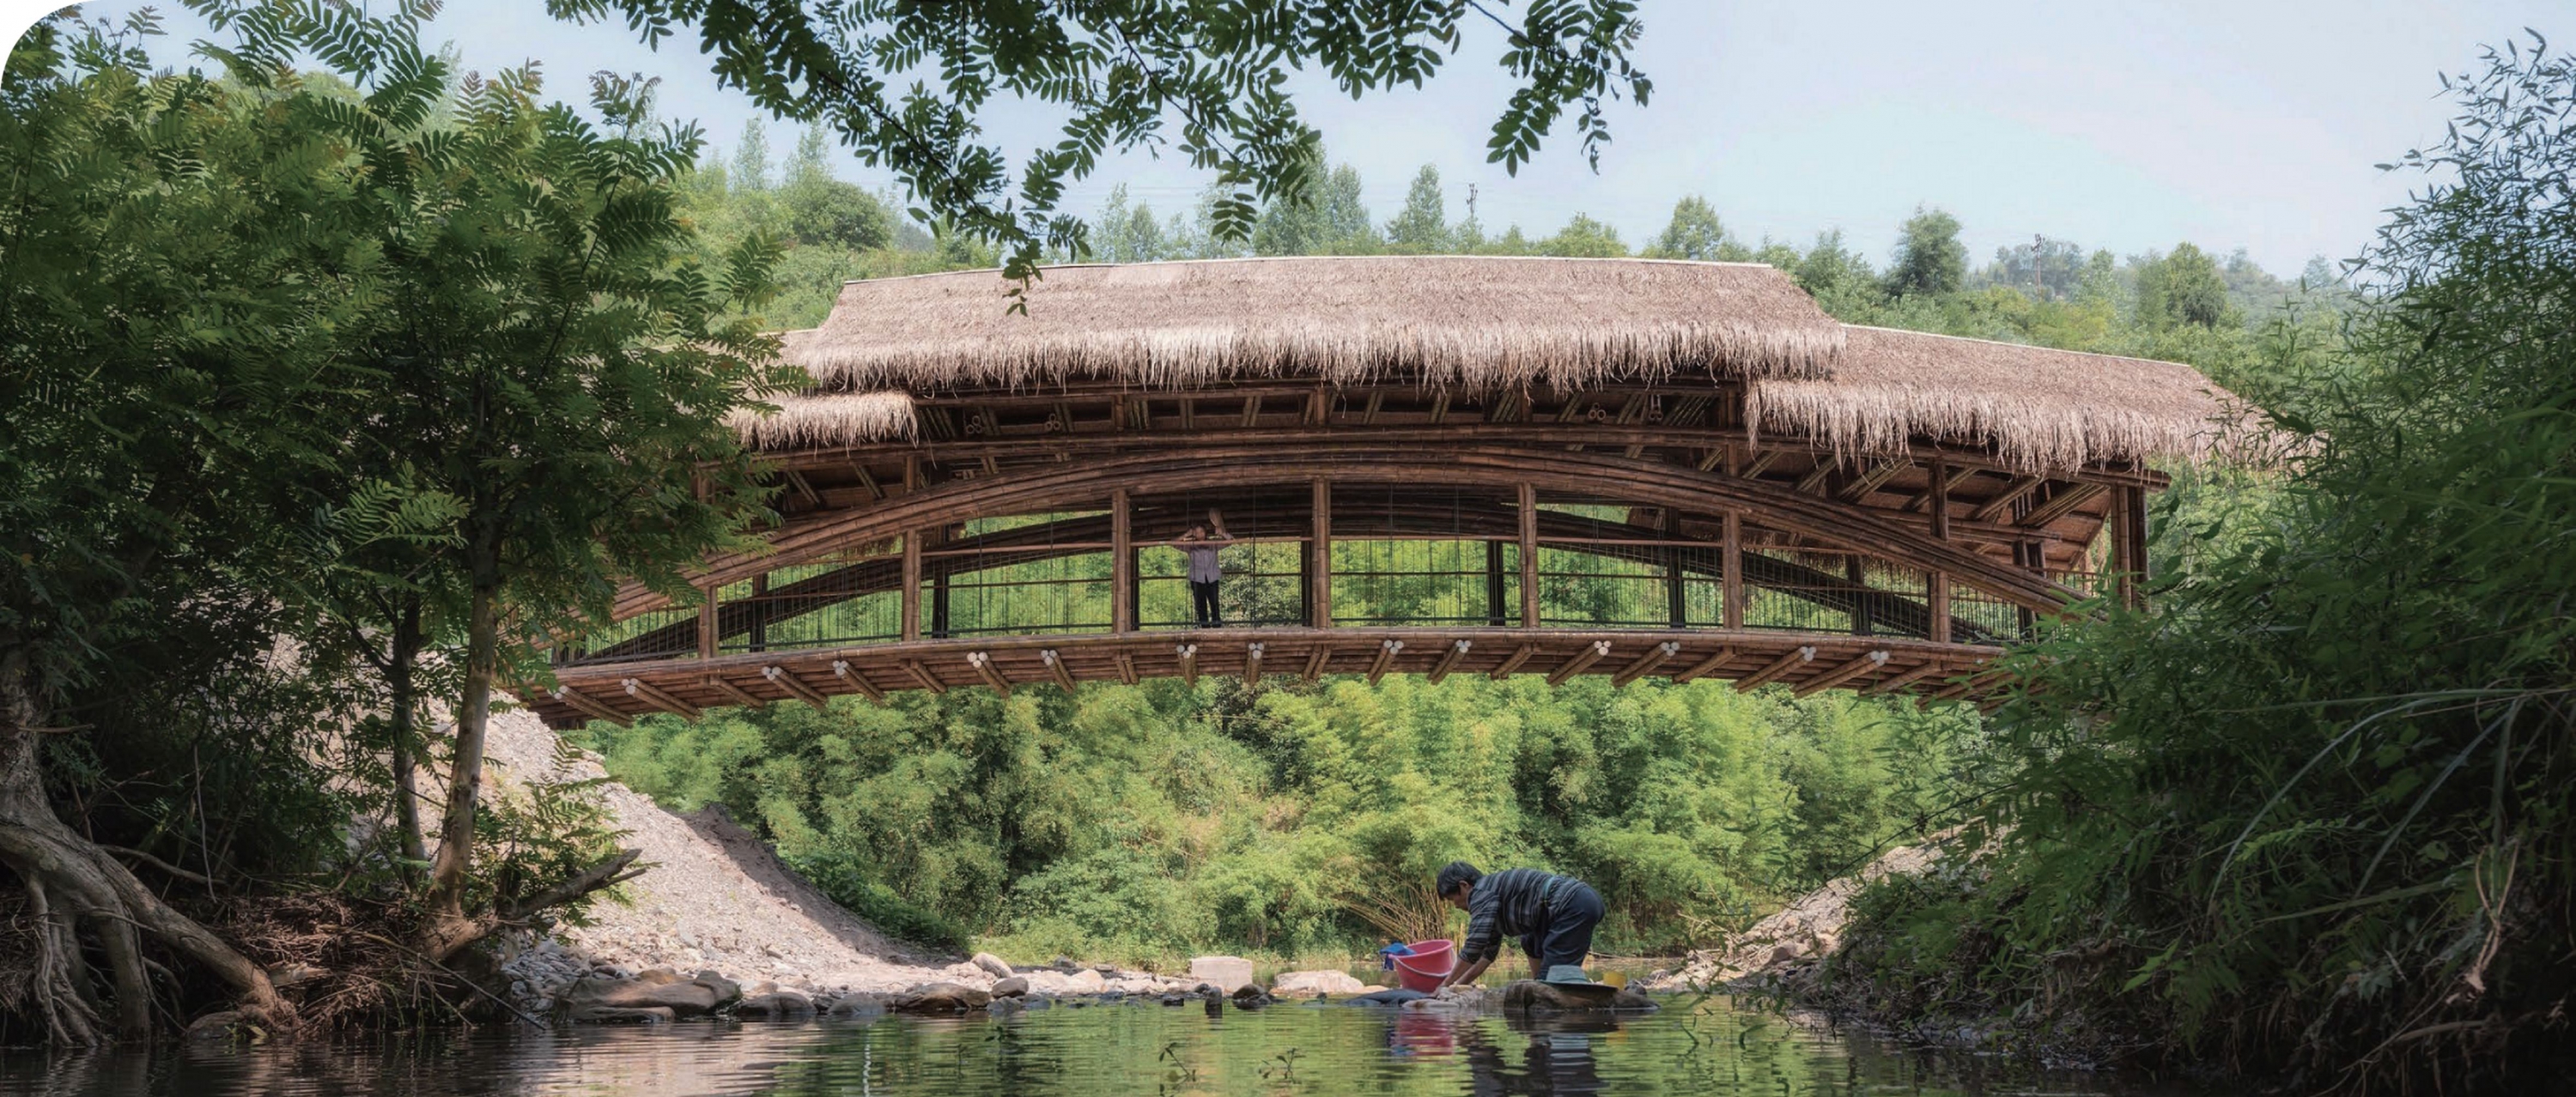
1433	465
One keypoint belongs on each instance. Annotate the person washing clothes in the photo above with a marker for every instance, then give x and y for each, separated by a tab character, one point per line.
1201	544
1553	916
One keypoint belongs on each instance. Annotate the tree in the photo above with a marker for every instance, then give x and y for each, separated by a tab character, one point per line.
1332	219
1695	233
1583	237
566	374
1128	234
1930	260
1423	225
1124	70
2183	287
169	392
2045	269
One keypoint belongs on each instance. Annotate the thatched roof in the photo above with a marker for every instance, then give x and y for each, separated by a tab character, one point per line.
1482	322
826	419
1478	322
2040	408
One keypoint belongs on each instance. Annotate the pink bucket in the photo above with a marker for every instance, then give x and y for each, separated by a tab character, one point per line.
1423	970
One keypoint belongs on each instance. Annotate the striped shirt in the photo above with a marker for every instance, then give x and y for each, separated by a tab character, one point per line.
1510	903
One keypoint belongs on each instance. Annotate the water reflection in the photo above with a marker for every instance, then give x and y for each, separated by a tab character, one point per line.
1555	1056
1095	1051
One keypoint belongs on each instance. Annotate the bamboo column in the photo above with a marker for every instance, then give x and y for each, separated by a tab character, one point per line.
911	585
1731	565
1122	564
760	612
1319	559
1529	556
1936	586
707	623
2128	522
1676	601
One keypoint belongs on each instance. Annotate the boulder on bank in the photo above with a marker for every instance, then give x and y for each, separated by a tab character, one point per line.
1227	973
940	998
776	1003
1014	987
993	965
587	998
1306	984
1532	994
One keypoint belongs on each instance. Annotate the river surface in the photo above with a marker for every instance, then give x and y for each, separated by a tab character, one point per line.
1710	1047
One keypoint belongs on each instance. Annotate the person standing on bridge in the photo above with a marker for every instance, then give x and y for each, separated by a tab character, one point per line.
1552	915
1201	544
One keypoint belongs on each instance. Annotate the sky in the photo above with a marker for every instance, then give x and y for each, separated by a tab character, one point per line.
2251	124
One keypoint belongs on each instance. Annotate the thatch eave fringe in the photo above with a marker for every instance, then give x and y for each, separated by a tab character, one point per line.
2041	410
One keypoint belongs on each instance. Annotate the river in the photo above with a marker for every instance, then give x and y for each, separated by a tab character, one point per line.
1716	1046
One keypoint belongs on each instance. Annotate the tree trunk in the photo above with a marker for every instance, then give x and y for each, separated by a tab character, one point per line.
405	652
69	880
447	870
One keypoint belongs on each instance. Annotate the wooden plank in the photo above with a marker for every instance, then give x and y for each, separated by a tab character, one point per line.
1386	650
1942	484
1252	663
1707	666
787	680
1315	661
858	683
922	675
731	690
1638	667
1863	664
1870	481
2002	503
1802	656
1906	679
648	693
982	661
1514	662
587	706
1056	668
2061	504
1972	685
1529	554
1126	667
1449	660
1583	659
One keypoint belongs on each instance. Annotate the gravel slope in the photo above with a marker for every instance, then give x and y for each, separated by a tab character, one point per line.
715	897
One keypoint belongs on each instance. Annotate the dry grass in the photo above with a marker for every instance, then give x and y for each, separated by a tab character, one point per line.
1486	323
1472	322
826	419
2041	409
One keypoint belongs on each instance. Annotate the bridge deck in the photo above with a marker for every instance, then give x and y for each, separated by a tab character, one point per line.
1805	661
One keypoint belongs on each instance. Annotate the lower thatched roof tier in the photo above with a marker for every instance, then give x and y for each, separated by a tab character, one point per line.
1474	322
821	420
2039	408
